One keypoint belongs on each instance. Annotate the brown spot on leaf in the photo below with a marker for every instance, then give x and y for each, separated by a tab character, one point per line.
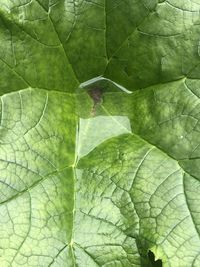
96	95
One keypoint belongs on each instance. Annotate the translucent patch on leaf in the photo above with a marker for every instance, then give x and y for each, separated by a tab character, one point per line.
94	131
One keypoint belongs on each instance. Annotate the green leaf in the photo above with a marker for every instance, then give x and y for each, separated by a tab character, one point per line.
99	133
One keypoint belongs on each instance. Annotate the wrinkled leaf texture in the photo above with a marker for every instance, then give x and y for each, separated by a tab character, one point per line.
99	178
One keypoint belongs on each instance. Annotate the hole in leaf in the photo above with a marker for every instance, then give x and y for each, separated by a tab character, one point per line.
154	263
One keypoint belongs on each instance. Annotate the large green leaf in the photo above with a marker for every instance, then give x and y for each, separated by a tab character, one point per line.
100	133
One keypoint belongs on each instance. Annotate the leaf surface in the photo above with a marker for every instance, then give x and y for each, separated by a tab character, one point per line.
99	133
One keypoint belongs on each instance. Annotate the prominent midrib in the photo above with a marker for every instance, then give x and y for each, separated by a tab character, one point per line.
71	243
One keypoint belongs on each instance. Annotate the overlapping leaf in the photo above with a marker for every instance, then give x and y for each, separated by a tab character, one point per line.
99	178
